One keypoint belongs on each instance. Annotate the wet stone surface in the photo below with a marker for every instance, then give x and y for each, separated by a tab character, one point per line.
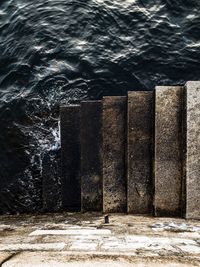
91	156
114	146
168	151
139	154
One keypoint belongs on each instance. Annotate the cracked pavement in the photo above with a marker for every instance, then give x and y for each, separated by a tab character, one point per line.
75	239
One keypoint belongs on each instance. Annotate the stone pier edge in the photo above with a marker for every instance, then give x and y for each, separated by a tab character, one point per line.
183	154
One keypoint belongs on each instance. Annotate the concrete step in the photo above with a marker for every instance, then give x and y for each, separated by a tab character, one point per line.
128	165
191	166
168	150
139	152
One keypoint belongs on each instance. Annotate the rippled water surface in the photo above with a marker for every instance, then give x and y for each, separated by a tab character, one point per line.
58	51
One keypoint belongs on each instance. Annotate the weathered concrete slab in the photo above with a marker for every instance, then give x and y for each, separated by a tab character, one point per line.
32	247
139	152
168	150
114	145
70	157
51	181
78	259
192	150
54	243
4	256
91	156
77	232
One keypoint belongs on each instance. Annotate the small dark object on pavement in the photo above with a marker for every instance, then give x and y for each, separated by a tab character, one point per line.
106	218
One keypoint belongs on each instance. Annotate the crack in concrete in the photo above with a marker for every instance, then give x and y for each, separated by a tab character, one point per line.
9	258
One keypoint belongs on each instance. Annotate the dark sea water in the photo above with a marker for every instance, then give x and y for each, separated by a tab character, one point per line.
62	51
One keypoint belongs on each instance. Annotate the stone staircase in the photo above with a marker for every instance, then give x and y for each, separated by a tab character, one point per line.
137	154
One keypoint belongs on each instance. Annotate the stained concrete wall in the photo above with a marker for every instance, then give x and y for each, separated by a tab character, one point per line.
192	151
70	157
114	156
139	152
128	162
168	151
91	156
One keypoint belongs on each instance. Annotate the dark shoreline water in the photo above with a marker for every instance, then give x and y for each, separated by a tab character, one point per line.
55	52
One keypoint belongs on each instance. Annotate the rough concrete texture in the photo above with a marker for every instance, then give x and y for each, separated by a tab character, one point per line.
52	240
5	256
91	156
139	152
168	150
70	157
51	260
192	149
114	145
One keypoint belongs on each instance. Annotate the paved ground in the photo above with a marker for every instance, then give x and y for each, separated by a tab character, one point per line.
84	240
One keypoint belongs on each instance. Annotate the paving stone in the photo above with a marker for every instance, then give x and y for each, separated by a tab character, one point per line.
84	246
114	145
91	156
78	259
32	247
192	150
139	152
70	157
168	150
4	256
124	241
190	249
72	232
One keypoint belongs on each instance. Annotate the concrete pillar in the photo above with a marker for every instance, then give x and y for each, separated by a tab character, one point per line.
114	145
168	150
139	152
70	157
192	150
91	156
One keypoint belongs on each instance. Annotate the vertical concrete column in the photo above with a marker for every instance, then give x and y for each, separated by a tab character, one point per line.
91	156
70	157
192	150
168	150
114	145
139	152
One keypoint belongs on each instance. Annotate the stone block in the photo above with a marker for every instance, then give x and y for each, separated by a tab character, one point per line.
168	150
114	160
91	156
139	152
192	150
70	157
